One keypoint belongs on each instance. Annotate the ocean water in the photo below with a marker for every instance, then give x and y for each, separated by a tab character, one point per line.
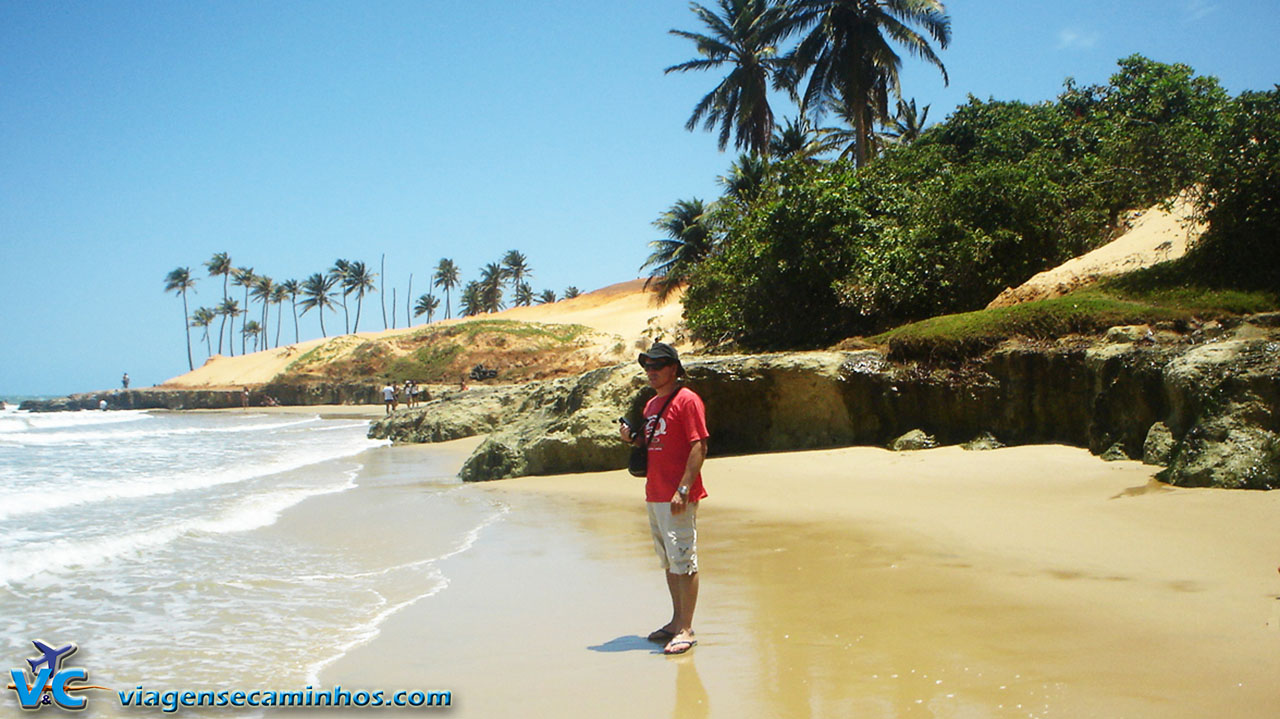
149	539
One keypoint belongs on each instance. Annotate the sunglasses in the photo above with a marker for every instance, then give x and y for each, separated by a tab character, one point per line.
655	365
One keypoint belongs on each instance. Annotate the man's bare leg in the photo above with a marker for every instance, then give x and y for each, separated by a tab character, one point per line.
673	586
684	598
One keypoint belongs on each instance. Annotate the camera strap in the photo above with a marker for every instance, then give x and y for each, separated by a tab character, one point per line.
648	436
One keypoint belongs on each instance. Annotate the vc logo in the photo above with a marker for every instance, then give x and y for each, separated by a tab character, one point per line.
50	682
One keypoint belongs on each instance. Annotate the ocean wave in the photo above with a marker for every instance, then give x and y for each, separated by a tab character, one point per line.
15	421
35	500
38	437
59	555
264	510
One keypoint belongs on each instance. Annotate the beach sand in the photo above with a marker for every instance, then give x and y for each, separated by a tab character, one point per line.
1023	582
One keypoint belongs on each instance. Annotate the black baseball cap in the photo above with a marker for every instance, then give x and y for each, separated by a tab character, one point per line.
663	352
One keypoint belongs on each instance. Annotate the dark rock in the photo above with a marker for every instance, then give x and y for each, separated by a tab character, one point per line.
913	440
1114	453
983	442
1158	447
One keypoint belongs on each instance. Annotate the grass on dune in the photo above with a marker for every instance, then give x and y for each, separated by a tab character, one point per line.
1088	311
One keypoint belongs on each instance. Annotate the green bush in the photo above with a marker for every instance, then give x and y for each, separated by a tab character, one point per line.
983	201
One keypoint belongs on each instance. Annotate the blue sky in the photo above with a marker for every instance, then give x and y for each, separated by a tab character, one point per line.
140	136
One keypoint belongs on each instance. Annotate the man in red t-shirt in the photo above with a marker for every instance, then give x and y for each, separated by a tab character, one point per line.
675	430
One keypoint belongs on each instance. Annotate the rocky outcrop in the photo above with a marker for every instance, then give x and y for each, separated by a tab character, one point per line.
1219	400
138	399
1225	414
301	393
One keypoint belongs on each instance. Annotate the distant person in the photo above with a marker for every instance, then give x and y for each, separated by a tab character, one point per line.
389	397
675	434
408	393
102	405
125	380
244	398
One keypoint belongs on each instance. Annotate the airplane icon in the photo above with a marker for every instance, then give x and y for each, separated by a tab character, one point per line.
52	657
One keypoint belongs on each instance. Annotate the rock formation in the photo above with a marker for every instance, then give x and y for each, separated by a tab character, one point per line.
1217	396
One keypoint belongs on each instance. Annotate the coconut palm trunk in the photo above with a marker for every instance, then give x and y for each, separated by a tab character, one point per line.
223	324
191	365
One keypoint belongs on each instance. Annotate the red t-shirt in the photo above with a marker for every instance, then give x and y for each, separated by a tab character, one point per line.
683	423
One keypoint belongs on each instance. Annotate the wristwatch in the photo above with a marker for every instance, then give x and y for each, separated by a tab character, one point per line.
683	492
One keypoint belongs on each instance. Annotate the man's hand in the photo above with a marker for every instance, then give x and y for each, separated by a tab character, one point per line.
678	503
625	433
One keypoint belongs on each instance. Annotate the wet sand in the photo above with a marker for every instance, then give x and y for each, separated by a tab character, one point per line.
1024	582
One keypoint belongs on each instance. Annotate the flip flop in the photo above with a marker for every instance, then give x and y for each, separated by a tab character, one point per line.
661	635
679	646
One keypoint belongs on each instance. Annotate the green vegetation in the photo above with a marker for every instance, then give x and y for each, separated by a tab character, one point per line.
1089	311
437	353
803	252
430	363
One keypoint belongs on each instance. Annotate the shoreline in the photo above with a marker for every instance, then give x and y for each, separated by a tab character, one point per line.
325	411
1027	581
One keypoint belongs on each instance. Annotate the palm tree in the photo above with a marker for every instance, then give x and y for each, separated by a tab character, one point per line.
243	277
278	295
229	308
570	292
908	123
263	287
339	273
491	278
359	281
180	280
547	297
745	34
796	138
446	277
427	305
847	53
317	292
203	318
220	264
746	176
254	330
688	241
517	268
472	303
408	298
843	138
291	289
524	295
